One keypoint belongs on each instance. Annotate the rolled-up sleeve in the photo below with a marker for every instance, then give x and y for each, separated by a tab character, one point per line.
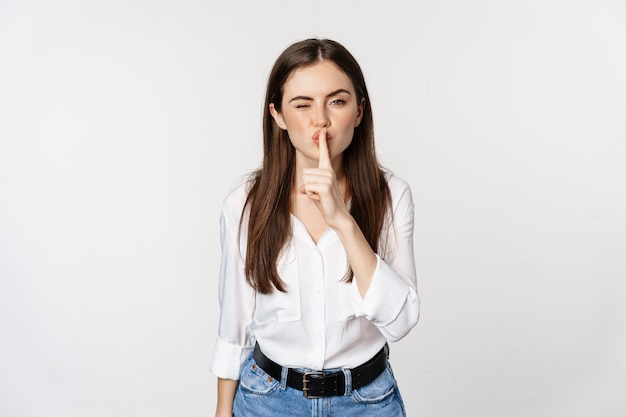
392	302
236	299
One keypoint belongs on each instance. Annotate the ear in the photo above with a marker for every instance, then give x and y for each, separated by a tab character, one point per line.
359	112
278	118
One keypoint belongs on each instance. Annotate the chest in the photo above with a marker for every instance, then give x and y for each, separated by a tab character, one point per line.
311	218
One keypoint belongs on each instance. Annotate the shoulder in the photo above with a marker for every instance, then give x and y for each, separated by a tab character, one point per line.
234	201
399	189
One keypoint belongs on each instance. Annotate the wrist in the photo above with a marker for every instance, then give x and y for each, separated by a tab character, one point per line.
345	225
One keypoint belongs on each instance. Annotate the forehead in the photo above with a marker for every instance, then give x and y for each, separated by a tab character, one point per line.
317	79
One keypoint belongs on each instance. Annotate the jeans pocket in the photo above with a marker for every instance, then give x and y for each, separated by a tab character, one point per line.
377	391
256	381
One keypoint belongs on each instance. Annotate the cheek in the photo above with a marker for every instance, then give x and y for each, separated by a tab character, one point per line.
349	123
350	117
295	122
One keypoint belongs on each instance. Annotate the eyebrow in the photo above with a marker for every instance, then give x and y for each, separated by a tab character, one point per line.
334	93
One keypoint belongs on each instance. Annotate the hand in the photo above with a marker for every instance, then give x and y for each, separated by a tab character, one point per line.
320	185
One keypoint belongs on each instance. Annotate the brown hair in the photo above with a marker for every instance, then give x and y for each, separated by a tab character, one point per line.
269	198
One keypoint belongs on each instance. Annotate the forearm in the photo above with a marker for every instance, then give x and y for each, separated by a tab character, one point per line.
226	389
360	255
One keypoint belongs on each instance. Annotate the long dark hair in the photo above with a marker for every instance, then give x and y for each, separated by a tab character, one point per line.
269	198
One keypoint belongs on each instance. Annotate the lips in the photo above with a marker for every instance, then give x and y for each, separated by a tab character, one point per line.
316	136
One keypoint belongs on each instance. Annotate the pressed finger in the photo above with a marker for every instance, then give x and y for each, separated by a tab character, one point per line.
324	161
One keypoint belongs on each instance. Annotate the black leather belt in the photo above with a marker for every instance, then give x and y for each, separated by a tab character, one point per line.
318	384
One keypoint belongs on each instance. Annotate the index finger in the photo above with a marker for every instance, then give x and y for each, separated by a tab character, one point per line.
324	161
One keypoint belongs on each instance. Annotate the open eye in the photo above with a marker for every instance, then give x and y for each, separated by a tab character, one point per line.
338	102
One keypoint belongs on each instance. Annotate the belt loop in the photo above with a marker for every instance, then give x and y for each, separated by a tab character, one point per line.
283	378
348	381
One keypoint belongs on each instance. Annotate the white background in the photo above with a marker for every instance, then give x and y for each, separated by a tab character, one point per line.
124	123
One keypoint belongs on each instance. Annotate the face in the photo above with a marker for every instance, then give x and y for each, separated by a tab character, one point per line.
314	97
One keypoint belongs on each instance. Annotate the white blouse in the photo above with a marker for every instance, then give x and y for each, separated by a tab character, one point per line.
321	322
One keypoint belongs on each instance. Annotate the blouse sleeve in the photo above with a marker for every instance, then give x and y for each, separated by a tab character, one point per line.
237	302
392	302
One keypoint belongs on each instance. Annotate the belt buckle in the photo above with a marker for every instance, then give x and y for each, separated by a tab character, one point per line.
305	384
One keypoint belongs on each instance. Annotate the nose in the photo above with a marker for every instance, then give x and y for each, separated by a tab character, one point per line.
320	117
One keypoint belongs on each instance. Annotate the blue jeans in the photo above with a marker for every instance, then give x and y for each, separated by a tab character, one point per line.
260	395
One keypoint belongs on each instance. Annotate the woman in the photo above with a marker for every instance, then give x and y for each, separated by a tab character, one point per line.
317	269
